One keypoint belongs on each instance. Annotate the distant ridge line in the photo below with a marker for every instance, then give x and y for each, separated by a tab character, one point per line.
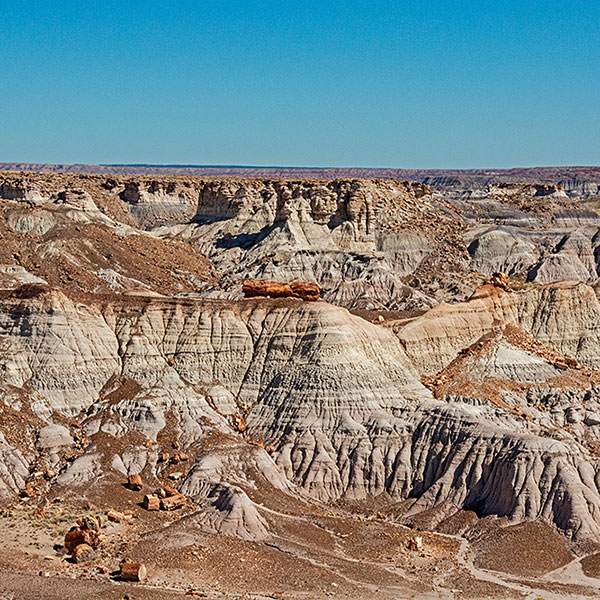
435	177
190	166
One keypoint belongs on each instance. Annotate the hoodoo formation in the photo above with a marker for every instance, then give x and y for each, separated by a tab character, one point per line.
178	412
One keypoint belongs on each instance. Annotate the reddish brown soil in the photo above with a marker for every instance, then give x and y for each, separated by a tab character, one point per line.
527	549
167	267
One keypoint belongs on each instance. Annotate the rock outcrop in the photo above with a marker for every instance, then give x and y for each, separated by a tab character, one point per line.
368	244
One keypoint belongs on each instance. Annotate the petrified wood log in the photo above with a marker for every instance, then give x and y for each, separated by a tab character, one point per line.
131	571
79	536
83	553
151	502
274	289
172	502
134	482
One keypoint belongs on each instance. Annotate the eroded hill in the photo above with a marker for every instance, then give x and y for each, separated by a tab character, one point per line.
304	449
370	244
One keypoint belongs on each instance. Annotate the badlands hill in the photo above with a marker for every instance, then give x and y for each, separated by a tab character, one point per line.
370	244
420	432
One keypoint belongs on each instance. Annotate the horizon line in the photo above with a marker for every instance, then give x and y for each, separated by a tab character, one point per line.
293	168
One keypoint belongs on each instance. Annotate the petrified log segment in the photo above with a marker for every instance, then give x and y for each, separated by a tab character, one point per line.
274	289
83	553
151	502
89	522
131	571
134	482
80	536
173	502
169	491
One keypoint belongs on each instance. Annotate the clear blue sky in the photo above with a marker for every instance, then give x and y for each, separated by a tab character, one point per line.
428	84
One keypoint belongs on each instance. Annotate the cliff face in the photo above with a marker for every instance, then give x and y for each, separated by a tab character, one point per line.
564	315
382	244
82	238
584	181
344	235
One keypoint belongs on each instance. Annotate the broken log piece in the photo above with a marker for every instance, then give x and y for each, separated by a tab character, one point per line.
131	571
274	289
113	516
151	502
89	522
173	502
83	553
571	362
28	491
134	482
76	537
179	457
170	490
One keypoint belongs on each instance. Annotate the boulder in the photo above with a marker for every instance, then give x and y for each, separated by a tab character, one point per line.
53	436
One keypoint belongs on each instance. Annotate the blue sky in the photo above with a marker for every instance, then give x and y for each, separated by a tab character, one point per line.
454	84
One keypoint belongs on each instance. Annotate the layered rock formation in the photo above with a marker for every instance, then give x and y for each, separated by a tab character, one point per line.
371	244
338	398
576	181
460	418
